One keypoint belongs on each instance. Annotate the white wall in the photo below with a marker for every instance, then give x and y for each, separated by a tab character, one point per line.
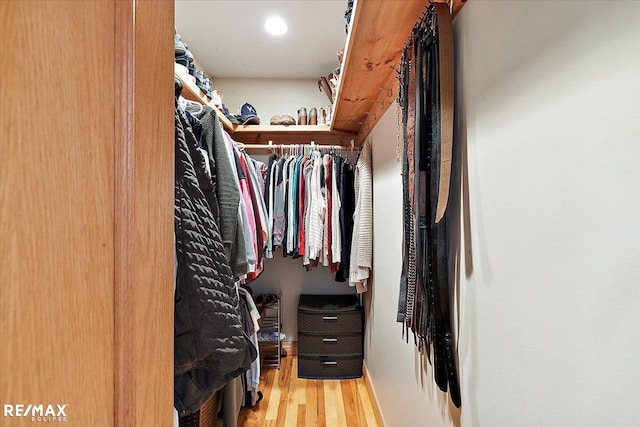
287	277
549	115
271	97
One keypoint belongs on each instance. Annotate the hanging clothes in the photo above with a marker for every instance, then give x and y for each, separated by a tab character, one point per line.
316	211
309	208
251	327
228	194
336	204
308	177
347	208
209	347
362	240
272	172
249	219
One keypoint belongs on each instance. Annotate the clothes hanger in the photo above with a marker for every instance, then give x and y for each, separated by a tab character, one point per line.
182	103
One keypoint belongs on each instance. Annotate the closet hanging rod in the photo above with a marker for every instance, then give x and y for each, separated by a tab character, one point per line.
311	145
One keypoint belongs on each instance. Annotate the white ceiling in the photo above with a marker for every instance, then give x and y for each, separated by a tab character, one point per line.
228	39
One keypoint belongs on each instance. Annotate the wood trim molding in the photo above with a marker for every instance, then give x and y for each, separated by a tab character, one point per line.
124	298
143	225
372	396
291	347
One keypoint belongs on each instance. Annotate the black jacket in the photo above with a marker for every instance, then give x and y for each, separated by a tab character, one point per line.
210	345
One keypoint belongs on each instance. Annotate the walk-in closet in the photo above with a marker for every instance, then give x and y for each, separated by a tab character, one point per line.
341	213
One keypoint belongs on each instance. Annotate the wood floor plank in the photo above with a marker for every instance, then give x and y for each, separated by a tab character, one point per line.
302	410
290	401
342	419
348	400
298	390
295	396
359	407
284	380
321	416
311	415
369	412
331	403
256	415
274	399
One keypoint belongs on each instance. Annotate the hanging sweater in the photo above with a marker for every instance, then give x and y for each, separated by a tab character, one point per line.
316	212
226	188
308	174
362	241
248	220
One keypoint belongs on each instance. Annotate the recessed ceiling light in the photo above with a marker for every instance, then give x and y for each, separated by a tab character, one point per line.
276	26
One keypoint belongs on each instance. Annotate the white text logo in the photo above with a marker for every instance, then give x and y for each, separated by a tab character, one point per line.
37	412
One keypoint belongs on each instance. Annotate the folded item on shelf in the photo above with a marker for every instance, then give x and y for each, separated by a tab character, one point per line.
285	120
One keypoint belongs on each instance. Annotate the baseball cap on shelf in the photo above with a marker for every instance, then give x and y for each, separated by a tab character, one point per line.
248	115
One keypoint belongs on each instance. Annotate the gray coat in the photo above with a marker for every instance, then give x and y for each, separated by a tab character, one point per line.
228	194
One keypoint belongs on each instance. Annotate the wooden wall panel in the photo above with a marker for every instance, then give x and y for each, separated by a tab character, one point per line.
56	207
154	196
86	225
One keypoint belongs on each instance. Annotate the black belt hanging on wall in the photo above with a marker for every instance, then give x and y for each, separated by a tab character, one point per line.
426	97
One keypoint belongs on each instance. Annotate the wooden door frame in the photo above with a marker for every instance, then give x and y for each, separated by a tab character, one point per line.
143	120
124	372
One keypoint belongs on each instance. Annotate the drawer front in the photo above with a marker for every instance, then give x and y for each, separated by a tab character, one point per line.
329	344
321	323
329	367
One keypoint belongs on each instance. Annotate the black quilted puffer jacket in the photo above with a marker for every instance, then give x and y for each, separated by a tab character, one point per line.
210	345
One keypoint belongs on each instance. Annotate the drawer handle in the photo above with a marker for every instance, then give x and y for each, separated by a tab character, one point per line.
329	339
329	317
329	363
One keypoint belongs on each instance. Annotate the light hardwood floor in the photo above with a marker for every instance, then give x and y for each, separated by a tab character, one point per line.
291	401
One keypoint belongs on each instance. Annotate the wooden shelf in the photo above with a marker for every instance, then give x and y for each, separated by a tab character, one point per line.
294	134
368	84
262	134
192	92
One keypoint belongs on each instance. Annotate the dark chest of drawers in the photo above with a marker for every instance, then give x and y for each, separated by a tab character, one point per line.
330	339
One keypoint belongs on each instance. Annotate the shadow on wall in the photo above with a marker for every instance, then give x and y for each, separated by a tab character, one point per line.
461	248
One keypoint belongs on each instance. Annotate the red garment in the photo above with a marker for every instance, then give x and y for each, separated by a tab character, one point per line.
253	206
